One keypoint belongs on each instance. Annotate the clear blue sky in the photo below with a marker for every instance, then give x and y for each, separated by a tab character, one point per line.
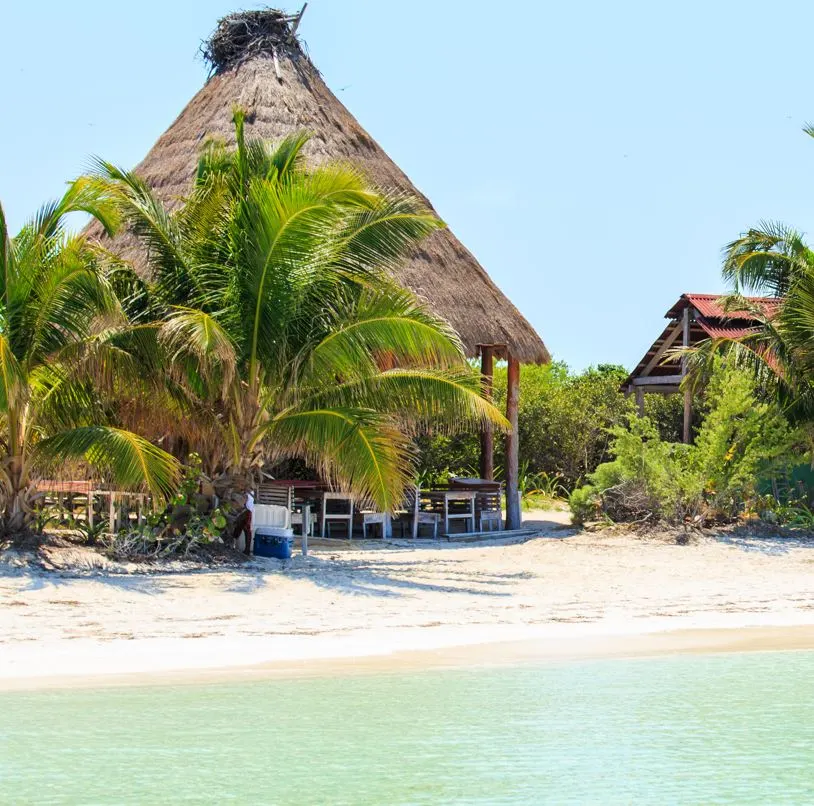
594	156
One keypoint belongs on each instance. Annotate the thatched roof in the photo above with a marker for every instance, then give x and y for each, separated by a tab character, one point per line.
257	64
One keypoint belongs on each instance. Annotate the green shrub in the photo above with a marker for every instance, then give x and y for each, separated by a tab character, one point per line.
563	420
716	478
585	503
741	438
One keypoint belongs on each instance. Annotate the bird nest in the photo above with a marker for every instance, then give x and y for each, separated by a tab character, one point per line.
247	34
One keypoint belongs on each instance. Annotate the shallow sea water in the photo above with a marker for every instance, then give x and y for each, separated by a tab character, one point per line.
726	729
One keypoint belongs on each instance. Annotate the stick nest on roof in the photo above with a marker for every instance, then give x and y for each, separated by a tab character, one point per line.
246	34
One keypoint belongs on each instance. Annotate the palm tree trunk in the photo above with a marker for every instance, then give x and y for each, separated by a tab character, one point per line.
17	515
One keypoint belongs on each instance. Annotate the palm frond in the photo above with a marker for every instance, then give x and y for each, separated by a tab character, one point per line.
84	195
766	259
382	234
13	385
450	400
144	213
287	156
64	301
382	325
357	449
190	333
132	460
7	267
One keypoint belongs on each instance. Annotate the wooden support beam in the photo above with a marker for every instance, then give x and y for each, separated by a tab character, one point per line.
112	513
659	380
513	518
296	23
487	436
640	400
667	344
687	392
276	65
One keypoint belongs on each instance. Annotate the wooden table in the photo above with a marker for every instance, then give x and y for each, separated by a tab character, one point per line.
451	505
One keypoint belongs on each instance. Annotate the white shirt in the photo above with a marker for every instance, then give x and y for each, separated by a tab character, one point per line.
250	502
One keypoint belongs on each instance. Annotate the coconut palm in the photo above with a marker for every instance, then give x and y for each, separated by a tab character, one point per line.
269	289
774	260
56	313
771	260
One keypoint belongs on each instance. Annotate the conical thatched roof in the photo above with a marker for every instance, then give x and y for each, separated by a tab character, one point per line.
258	65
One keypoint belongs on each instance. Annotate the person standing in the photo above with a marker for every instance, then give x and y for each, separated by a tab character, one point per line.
243	504
247	523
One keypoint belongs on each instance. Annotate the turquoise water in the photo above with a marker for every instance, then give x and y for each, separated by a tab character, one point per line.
701	729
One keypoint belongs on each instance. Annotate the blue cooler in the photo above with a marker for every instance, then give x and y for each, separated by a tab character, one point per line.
270	541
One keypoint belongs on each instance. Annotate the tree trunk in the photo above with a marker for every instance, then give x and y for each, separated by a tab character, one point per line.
487	438
513	515
18	514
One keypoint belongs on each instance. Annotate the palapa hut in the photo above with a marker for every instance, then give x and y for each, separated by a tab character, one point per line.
258	62
694	318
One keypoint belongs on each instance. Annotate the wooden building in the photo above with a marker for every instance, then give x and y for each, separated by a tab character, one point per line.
693	319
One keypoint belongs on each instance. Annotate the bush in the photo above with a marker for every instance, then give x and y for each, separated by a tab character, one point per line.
651	479
442	456
563	419
586	504
189	522
742	438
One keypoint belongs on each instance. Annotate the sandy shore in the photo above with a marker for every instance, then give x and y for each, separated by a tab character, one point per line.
560	595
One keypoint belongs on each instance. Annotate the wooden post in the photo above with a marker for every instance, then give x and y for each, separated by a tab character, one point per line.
306	527
112	513
640	400
296	24
687	392
487	437
513	519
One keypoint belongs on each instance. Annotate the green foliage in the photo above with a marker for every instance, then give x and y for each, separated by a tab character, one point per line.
586	504
715	478
742	437
186	525
443	455
774	260
59	317
666	412
271	297
564	423
795	513
541	484
564	418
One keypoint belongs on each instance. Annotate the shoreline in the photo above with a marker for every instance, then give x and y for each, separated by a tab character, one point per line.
559	596
143	663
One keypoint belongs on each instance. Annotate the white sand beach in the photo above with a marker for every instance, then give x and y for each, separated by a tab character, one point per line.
564	593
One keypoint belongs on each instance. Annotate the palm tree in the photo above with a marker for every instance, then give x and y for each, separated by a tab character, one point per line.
771	260
269	289
57	312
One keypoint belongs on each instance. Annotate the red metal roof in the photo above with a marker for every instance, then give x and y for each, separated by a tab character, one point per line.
716	329
709	305
709	320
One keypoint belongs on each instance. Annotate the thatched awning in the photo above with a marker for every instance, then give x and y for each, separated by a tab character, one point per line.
271	77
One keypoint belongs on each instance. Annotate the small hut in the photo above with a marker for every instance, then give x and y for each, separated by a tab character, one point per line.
693	319
258	62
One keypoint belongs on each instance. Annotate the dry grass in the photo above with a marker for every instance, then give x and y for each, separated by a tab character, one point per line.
442	271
